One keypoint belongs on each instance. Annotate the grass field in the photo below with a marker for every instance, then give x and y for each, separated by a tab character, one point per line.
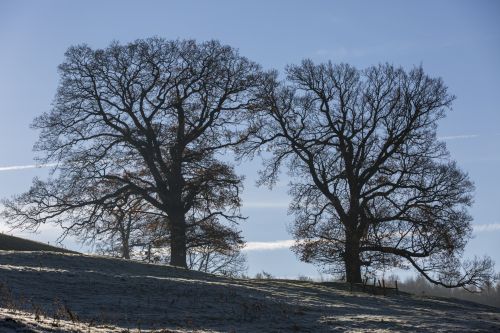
62	292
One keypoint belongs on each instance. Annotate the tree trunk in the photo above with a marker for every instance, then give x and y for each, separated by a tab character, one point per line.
352	260
125	236
176	211
125	250
178	239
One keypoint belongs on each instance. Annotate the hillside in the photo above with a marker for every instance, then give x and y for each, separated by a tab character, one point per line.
13	243
80	293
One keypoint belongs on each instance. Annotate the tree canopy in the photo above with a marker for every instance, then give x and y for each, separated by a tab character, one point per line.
138	134
371	183
147	119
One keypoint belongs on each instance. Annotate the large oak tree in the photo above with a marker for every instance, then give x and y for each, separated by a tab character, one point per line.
371	183
149	119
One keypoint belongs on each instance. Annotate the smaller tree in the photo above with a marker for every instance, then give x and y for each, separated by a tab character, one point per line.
230	263
212	247
126	227
219	253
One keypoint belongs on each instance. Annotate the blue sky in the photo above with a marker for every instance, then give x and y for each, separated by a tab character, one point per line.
456	40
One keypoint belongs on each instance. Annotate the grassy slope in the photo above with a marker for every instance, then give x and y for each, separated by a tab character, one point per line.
14	243
127	294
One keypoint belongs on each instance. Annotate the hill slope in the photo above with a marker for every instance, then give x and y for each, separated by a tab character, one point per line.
13	243
126	294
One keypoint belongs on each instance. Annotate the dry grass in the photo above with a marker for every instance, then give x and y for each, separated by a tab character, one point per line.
87	293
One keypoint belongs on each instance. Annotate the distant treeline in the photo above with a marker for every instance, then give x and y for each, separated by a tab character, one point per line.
419	286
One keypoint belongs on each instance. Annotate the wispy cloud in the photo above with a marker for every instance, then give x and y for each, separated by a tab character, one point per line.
265	204
486	227
24	167
458	137
266	246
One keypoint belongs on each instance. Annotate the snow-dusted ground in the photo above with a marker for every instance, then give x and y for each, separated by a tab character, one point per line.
79	293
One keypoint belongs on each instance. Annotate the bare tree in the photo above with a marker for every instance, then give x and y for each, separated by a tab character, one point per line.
371	184
124	227
150	118
212	247
229	262
132	228
215	248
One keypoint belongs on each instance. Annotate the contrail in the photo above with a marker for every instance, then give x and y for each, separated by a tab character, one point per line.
29	166
457	137
270	204
486	227
265	246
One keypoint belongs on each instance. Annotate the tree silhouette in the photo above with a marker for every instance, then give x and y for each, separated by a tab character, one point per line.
130	224
149	119
371	184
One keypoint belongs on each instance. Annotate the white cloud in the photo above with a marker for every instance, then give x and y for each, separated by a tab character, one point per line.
457	137
29	166
265	246
264	204
486	227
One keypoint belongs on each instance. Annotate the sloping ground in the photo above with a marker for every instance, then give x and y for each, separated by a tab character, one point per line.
13	243
59	289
